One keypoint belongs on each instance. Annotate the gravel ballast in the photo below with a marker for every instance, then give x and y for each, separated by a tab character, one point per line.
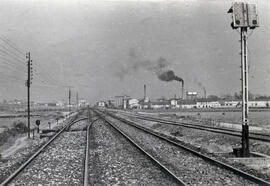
191	169
12	162
114	161
60	164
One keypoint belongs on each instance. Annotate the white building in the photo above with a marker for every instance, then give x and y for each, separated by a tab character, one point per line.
187	104
208	104
101	104
133	103
259	103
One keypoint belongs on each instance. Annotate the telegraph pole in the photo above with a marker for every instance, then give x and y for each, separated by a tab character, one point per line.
28	83
77	100
244	16
69	98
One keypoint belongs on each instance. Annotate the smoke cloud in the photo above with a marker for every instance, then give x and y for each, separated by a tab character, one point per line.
168	76
160	67
200	85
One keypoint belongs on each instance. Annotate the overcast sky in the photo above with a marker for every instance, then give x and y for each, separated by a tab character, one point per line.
100	47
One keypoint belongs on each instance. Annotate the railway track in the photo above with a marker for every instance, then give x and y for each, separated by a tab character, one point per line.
232	171
236	133
39	168
87	149
129	161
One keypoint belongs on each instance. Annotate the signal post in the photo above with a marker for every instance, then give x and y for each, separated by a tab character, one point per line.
244	16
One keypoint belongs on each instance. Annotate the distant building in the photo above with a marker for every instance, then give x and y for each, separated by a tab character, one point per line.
101	104
82	103
191	95
207	103
133	103
121	101
187	104
160	104
111	103
260	103
228	104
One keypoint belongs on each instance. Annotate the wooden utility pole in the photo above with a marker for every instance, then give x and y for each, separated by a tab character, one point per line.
28	84
69	98
77	100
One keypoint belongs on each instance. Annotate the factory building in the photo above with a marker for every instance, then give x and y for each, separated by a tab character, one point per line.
187	104
133	103
121	101
160	105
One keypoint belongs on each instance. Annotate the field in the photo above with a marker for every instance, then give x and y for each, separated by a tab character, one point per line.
259	118
7	119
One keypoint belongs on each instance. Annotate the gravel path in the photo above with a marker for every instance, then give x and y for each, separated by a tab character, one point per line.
191	169
10	163
114	161
60	164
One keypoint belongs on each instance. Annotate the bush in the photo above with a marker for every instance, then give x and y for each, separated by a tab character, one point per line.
20	126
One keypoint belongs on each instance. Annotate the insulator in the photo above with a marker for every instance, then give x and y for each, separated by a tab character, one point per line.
233	27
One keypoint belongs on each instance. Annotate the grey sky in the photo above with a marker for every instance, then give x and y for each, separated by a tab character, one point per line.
86	44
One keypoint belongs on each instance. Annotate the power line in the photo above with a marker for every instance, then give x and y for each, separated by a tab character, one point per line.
11	44
48	83
14	57
48	78
5	60
51	77
9	68
15	54
12	78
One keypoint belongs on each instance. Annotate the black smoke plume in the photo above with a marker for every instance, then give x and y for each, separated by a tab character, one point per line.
158	67
168	76
135	63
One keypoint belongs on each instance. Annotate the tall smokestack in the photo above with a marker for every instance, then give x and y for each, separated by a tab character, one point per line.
144	95
204	92
182	89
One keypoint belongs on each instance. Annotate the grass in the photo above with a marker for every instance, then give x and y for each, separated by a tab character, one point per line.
18	127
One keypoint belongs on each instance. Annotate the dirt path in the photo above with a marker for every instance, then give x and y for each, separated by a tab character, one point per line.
19	143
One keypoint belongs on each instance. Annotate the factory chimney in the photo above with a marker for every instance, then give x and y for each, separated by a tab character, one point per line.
182	89
204	92
144	92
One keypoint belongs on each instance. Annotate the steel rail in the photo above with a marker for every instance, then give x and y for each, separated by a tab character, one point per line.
216	162
193	124
86	162
25	164
164	168
205	128
76	121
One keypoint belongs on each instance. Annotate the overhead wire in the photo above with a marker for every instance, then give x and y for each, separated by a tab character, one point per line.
12	62
11	44
22	57
48	77
14	57
7	68
10	77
